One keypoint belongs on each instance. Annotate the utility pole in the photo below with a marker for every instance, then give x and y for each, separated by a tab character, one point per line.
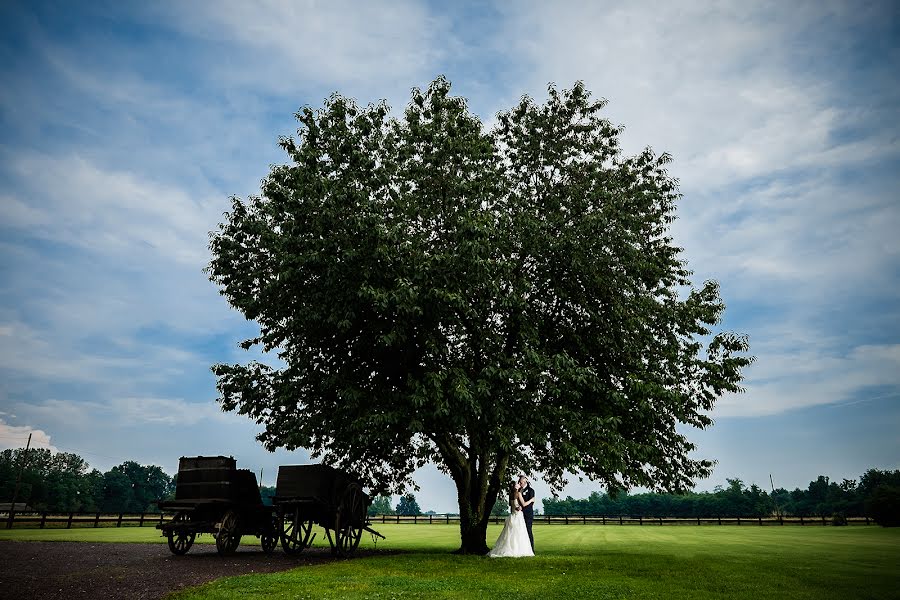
775	502
12	508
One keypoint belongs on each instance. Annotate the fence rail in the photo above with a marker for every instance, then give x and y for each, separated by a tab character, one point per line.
629	520
73	519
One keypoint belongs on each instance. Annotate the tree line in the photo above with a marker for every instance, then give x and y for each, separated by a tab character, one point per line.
876	494
64	482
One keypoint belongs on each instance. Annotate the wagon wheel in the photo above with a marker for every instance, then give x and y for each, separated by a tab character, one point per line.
351	518
295	531
269	538
180	541
228	537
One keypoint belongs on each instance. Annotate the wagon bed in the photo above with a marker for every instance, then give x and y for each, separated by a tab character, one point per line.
324	496
213	496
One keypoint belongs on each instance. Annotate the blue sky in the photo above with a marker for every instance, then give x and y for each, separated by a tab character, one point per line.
126	127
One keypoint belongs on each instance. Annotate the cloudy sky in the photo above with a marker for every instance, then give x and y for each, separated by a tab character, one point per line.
126	127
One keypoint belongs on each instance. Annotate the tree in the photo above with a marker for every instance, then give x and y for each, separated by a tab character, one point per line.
118	492
408	506
501	507
883	505
489	301
381	505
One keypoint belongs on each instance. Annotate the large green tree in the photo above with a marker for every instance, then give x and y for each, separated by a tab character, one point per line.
489	301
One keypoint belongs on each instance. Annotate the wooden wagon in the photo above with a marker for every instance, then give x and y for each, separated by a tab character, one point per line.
318	494
213	496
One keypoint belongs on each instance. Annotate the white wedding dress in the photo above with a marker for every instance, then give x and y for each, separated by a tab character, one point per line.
513	540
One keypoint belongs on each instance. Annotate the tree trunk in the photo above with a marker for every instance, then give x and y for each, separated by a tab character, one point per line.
477	495
472	528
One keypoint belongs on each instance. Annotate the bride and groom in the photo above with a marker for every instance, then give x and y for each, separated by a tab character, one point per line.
516	538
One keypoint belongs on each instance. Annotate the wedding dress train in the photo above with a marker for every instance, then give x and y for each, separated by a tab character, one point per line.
513	540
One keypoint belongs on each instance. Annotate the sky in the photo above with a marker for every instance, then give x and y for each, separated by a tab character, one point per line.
125	128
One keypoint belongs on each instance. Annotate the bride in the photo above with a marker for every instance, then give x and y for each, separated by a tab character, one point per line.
513	540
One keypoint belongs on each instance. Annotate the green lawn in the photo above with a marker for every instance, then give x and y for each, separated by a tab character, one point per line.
580	562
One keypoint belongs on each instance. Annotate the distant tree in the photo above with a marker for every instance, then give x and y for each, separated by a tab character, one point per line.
408	506
267	493
873	478
501	507
381	505
879	493
883	505
91	491
118	492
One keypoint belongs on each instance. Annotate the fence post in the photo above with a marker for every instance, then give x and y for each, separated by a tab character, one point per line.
641	520
415	519
43	518
867	520
97	521
780	520
720	520
801	519
9	521
448	518
69	524
119	522
660	521
430	521
823	520
584	519
620	520
160	518
604	519
739	521
141	524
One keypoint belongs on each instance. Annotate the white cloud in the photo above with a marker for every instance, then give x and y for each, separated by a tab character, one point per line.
716	86
285	46
38	355
117	213
808	376
127	412
13	436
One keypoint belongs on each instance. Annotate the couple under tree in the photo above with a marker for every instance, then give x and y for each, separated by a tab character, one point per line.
516	538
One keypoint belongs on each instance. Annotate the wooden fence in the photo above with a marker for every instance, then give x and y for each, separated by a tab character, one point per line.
630	520
73	519
69	520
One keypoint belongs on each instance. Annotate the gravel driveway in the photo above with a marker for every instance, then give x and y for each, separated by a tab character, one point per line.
73	570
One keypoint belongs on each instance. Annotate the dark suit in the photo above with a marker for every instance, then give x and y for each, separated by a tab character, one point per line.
528	513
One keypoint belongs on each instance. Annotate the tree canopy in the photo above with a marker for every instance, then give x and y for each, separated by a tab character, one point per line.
484	300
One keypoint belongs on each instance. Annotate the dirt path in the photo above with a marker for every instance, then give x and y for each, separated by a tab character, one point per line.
74	570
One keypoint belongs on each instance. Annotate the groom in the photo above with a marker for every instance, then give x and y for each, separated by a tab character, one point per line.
528	509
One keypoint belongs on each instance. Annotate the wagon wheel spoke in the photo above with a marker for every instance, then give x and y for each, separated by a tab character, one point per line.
269	538
228	538
180	541
295	531
350	521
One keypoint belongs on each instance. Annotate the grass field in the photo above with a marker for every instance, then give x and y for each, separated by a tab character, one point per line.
579	562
